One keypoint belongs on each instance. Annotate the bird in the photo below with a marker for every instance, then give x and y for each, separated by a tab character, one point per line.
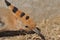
25	19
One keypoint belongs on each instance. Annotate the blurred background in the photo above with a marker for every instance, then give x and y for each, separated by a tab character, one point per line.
46	13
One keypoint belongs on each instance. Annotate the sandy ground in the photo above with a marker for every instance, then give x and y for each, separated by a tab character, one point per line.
46	14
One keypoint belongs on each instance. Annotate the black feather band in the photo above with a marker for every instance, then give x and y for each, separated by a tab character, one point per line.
14	33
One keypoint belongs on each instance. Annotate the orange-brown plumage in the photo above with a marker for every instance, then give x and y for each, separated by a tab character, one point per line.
28	22
25	18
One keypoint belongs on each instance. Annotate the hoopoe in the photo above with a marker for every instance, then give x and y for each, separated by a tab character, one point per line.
25	18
